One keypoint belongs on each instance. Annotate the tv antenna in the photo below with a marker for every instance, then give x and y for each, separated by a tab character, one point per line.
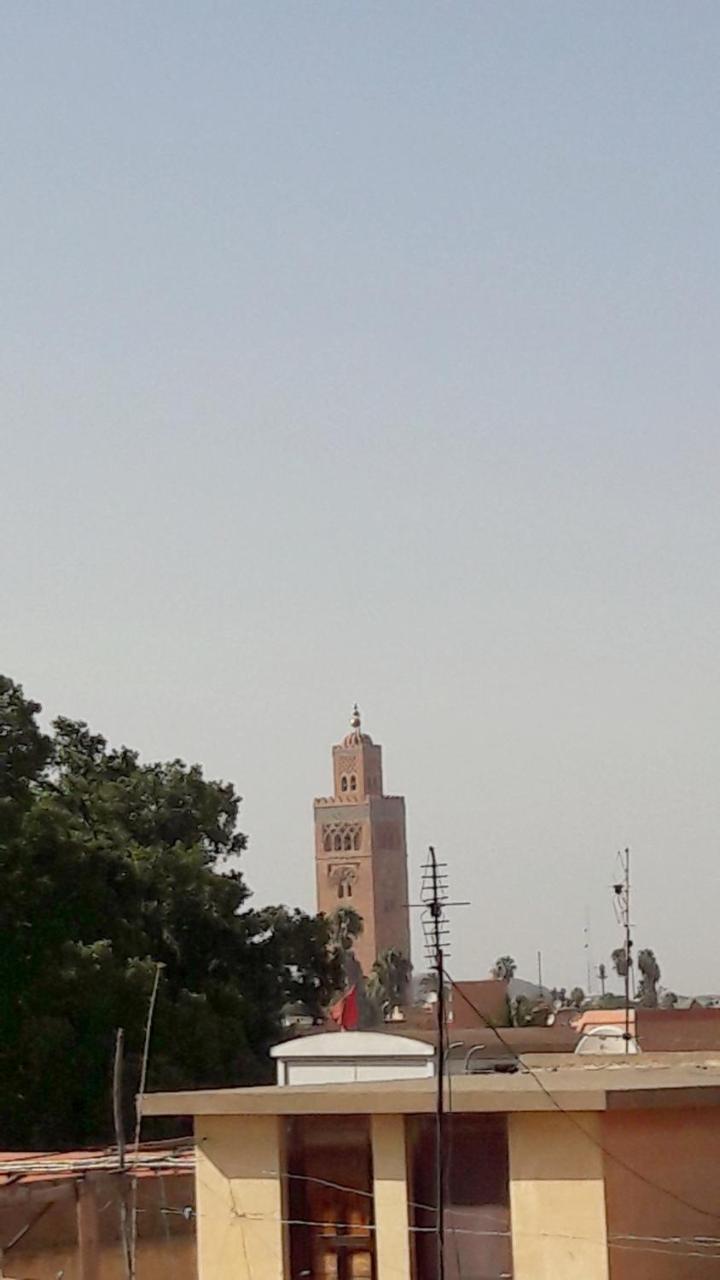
436	931
621	889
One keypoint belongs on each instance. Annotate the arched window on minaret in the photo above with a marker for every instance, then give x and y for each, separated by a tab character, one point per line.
337	842
353	782
347	840
344	783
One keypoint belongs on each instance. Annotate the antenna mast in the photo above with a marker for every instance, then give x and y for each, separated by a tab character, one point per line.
434	895
622	899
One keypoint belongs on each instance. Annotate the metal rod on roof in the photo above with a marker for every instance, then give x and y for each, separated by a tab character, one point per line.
117	1097
139	1114
434	895
436	911
120	1142
622	897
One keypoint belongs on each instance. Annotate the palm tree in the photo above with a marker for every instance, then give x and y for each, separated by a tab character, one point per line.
527	1012
346	925
648	985
388	981
504	968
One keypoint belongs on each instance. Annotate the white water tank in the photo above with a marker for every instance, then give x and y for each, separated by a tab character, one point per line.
334	1057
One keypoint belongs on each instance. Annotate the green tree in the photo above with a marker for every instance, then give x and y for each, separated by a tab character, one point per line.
576	998
505	968
107	868
620	961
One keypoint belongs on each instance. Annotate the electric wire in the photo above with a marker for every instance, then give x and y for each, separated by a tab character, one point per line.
623	1164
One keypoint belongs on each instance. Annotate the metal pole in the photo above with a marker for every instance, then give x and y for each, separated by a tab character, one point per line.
436	912
628	951
139	1116
125	1231
117	1097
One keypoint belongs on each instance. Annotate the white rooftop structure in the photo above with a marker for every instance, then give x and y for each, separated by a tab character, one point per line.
606	1039
336	1057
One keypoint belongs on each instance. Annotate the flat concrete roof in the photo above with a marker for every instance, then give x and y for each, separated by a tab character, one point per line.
544	1082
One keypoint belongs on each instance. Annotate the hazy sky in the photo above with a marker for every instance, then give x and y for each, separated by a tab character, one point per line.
369	351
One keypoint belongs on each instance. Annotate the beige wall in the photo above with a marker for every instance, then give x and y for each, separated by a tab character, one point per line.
557	1197
239	1197
392	1234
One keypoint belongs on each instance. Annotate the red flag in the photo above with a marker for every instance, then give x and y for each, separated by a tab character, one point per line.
345	1011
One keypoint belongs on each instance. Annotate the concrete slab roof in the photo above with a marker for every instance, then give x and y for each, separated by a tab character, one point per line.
542	1083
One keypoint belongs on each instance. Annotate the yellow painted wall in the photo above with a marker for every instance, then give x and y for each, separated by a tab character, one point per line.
392	1235
557	1197
239	1197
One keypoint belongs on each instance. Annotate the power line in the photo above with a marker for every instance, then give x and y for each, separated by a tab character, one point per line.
623	1164
647	1244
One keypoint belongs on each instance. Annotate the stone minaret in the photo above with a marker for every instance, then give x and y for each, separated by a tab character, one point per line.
360	848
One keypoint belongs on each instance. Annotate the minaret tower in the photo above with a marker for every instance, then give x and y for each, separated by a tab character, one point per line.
360	848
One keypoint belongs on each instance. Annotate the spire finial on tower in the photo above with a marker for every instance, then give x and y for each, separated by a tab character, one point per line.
356	737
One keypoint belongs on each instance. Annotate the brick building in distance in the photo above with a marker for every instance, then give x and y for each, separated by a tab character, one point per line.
361	850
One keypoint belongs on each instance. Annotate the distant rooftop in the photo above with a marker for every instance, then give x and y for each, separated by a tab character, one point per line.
154	1159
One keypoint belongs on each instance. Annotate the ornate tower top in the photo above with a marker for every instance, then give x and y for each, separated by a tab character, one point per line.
357	763
355	738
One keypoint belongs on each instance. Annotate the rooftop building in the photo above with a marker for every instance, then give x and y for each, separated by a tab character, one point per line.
570	1168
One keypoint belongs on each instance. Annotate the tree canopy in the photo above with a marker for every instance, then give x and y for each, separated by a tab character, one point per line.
109	866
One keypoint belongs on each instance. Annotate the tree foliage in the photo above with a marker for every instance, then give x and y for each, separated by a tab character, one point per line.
109	866
387	985
647	993
528	1011
505	968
